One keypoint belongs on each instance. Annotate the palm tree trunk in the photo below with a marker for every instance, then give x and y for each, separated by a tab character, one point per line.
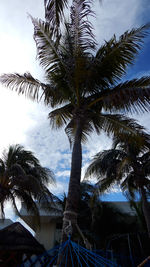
146	209
73	198
72	203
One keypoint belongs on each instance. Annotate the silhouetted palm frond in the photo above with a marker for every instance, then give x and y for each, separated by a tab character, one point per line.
23	177
23	84
118	54
54	11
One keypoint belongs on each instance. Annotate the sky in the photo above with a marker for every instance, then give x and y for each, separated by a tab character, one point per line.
24	122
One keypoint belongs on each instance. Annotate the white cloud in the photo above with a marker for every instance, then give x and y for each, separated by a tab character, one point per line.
50	146
63	174
59	189
117	17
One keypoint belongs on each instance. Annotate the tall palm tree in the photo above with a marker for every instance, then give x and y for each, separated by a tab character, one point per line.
23	178
126	164
82	82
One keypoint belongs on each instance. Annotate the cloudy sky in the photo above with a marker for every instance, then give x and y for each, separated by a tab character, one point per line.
25	122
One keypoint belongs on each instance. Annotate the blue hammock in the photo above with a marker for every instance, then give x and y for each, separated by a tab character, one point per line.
73	255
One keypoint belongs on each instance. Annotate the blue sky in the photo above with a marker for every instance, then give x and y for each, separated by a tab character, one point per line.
26	122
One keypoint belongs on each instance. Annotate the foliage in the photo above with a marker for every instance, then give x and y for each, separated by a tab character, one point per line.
23	178
127	164
123	164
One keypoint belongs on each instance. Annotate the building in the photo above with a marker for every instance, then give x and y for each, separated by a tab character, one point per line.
48	232
17	244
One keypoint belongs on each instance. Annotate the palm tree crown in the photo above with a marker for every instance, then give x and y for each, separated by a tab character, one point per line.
128	165
22	177
83	81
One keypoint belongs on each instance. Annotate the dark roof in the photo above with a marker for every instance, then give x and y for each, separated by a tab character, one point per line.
17	237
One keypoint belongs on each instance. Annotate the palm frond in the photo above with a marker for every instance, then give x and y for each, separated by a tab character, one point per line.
24	162
82	30
128	186
60	92
116	125
106	184
46	175
16	210
28	201
105	163
125	166
23	177
17	154
23	84
118	54
54	12
47	48
140	142
60	116
130	96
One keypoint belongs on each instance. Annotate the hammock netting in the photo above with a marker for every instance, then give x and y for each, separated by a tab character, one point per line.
72	255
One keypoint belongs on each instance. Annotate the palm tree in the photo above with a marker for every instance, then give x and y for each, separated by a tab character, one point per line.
82	82
126	164
23	178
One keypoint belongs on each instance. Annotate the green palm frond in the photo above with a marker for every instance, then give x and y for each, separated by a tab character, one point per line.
24	84
48	197
128	186
106	184
14	205
28	201
46	175
68	43
54	12
140	142
105	163
60	91
130	96
16	154
124	166
113	125
81	27
50	95
116	125
23	162
118	54
47	48
60	116
23	177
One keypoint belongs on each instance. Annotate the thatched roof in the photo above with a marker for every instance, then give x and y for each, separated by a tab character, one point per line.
17	237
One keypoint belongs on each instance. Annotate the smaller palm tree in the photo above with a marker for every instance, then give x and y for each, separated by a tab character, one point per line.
126	164
23	178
